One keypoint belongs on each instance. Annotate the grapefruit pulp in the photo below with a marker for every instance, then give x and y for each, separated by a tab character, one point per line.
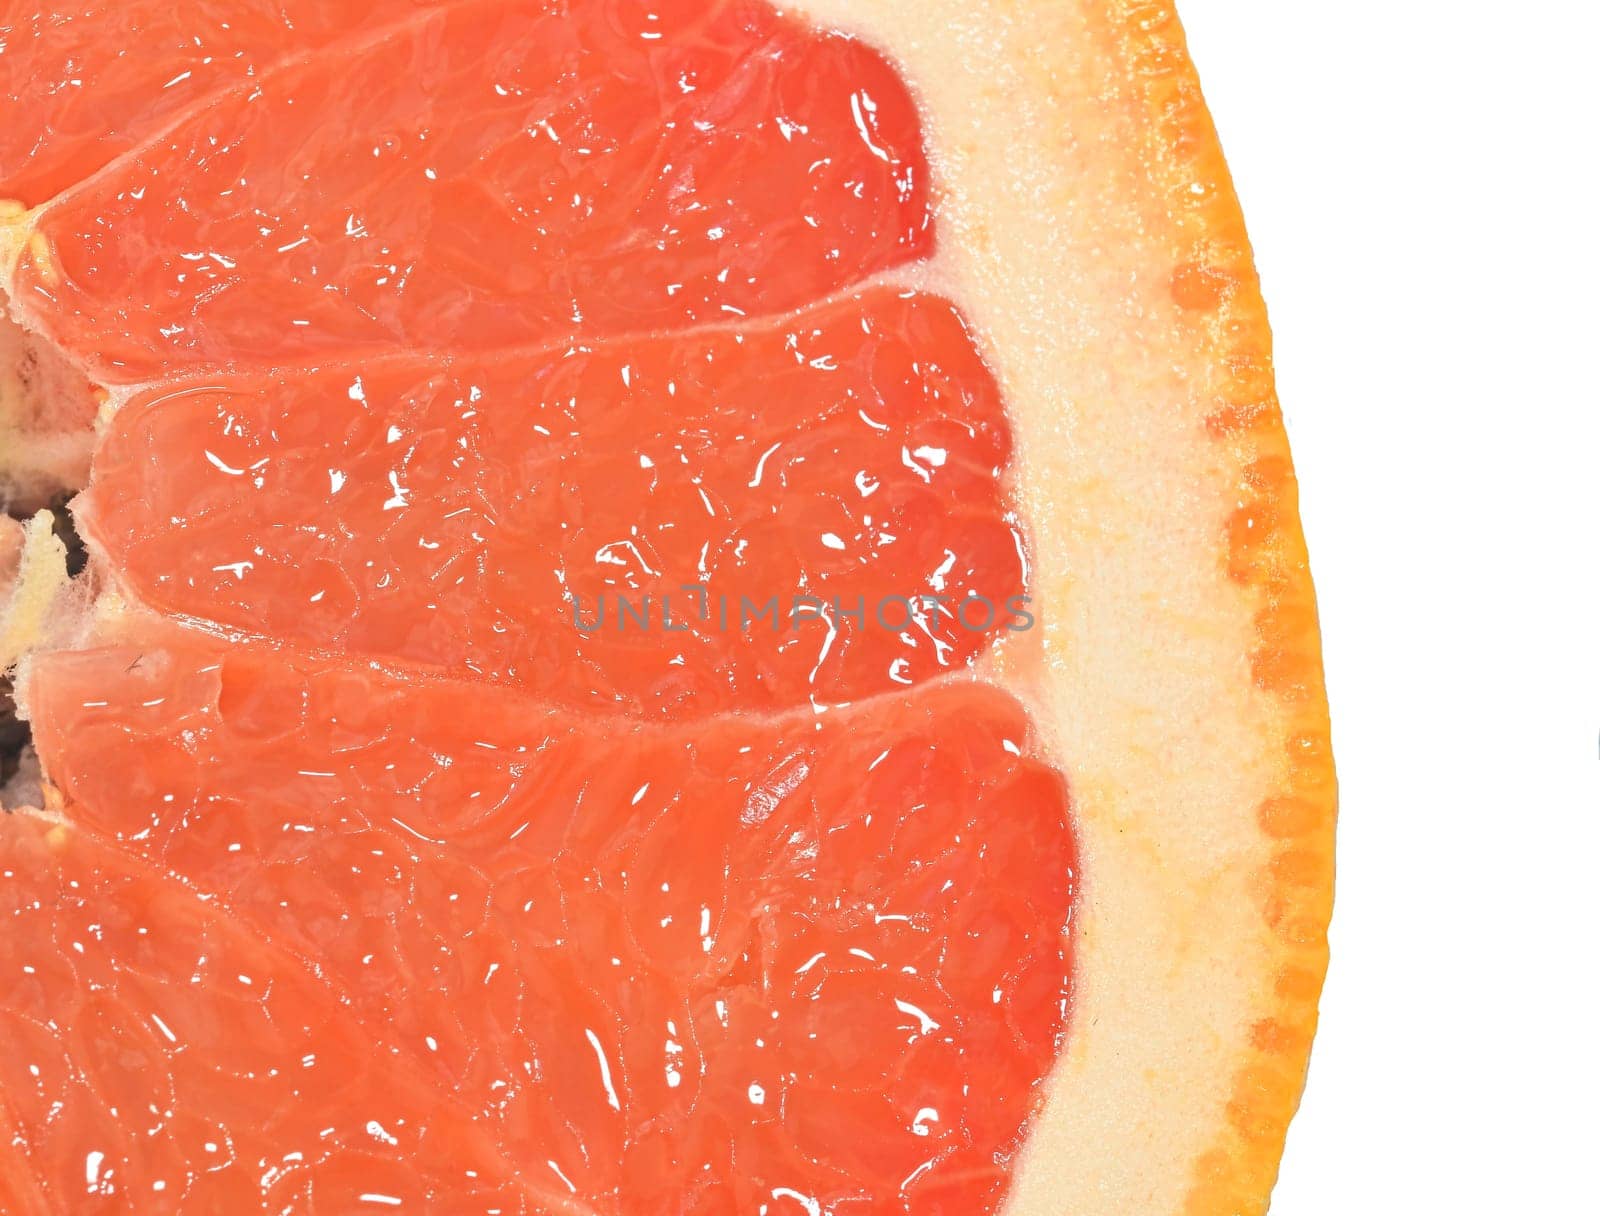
439	799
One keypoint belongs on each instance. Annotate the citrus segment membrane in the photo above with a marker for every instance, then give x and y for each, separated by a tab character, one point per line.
617	525
488	175
724	961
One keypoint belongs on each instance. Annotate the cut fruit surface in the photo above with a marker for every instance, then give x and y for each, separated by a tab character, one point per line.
615	528
156	1046
488	175
624	524
91	79
868	931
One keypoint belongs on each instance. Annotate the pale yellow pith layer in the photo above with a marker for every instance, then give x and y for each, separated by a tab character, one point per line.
1089	230
33	580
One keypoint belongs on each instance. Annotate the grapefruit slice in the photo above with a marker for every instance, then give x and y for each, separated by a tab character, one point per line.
940	820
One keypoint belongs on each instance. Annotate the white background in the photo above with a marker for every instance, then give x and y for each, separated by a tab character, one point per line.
1420	182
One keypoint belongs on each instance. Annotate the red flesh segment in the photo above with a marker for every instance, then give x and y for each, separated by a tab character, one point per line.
469	517
160	1057
823	956
88	79
582	956
493	174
